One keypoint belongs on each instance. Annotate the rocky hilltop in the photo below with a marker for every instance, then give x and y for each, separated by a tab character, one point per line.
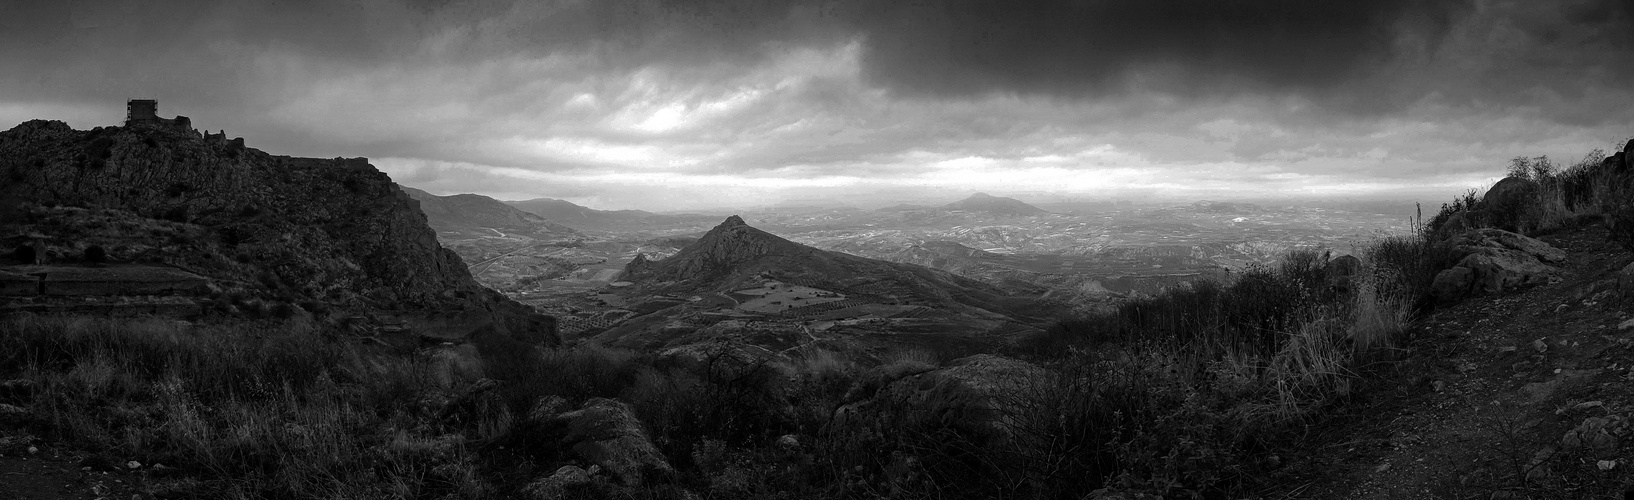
734	253
743	283
720	251
328	234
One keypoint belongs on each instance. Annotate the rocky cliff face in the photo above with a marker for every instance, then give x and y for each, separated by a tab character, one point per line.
333	231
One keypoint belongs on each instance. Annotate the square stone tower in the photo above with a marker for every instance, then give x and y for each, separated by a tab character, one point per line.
141	110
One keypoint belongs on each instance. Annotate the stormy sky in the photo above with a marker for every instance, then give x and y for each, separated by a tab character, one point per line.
697	104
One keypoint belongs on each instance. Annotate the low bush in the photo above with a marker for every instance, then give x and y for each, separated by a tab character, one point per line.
95	254
24	253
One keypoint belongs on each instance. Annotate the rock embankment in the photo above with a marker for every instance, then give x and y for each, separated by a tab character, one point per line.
1494	261
112	280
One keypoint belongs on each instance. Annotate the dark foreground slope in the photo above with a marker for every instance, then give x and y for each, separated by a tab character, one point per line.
302	232
1517	395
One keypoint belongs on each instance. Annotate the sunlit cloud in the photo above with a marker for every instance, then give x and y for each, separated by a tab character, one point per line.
624	106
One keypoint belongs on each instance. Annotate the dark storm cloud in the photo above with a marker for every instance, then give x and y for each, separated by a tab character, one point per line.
664	98
1077	48
105	49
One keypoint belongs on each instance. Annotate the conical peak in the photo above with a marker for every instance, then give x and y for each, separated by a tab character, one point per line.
733	221
979	196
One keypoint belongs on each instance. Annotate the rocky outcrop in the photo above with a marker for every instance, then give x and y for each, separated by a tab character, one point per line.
335	231
1599	434
606	433
1507	204
556	485
1510	191
719	251
1495	261
979	389
1452	284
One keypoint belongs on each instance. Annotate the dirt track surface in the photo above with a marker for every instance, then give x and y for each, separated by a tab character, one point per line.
56	473
1528	394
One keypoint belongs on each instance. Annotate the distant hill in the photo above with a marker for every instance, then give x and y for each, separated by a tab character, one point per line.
474	216
736	255
737	281
588	219
996	205
902	207
1224	207
573	214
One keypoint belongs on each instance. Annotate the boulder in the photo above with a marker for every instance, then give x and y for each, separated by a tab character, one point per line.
1532	246
1458	223
1594	433
976	390
1480	240
1453	284
555	485
1498	270
1507	202
732	359
606	432
1493	261
788	442
1509	192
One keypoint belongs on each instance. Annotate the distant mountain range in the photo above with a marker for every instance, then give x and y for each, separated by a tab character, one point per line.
979	202
476	216
584	218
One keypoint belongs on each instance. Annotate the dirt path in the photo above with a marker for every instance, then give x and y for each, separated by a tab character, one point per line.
51	472
1525	395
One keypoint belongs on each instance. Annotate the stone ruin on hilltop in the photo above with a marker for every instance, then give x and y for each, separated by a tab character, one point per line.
145	112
